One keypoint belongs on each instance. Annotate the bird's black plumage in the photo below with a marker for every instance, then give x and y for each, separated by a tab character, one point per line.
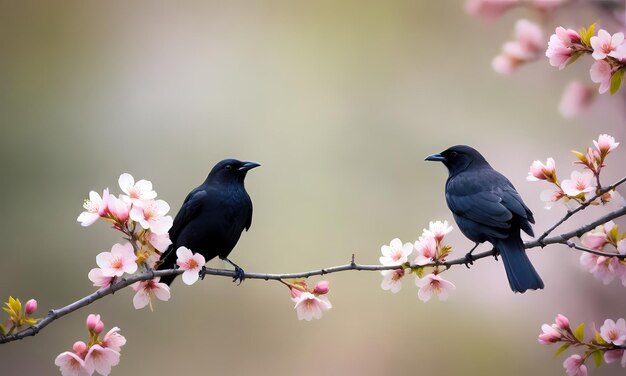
213	216
486	207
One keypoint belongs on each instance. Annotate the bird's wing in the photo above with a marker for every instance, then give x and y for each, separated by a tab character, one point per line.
249	220
189	209
475	198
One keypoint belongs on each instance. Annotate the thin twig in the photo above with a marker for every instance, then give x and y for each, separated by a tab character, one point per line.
583	206
56	314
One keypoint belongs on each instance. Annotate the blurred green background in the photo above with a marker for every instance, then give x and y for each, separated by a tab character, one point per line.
340	102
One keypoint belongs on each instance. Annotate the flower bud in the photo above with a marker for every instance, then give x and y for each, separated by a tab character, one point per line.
79	347
562	322
92	321
31	307
321	288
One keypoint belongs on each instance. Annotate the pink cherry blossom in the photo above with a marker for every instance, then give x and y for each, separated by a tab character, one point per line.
551	196
191	264
505	64
95	207
395	253
574	366
579	183
605	44
595	239
431	285
530	38
606	269
539	171
614	355
549	335
559	51
426	250
71	364
151	215
113	339
101	359
562	322
159	241
600	73
489	9
99	279
392	279
146	289
605	144
309	306
614	332
576	98
137	192
120	260
119	207
621	246
321	288
437	230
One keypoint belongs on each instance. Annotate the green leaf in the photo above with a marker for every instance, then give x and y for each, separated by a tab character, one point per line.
560	350
579	332
586	34
600	340
574	57
614	234
616	81
597	357
3	330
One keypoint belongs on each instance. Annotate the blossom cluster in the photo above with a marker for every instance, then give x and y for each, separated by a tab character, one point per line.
526	47
608	344
581	186
309	303
144	221
18	316
608	51
418	258
97	355
605	238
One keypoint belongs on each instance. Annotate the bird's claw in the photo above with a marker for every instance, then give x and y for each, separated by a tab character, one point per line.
495	256
469	259
202	272
239	275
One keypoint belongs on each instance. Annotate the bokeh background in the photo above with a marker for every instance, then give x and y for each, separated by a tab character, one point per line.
340	102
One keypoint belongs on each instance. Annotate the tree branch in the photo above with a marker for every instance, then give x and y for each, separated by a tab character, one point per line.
564	238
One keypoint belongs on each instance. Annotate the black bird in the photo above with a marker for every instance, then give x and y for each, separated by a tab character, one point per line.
213	216
486	207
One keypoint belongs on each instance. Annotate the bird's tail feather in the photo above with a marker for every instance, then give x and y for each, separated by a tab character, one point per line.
168	261
520	272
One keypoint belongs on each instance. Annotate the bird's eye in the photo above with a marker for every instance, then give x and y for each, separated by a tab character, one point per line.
228	167
453	154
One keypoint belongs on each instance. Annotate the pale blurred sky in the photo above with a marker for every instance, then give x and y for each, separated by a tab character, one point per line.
340	102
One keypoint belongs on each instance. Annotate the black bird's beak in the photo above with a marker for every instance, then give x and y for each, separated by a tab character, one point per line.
248	166
436	158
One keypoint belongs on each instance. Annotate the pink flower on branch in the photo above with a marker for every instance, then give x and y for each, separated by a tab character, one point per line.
191	264
120	260
95	207
159	241
137	192
579	185
539	171
151	215
395	253
101	359
574	366
605	44
392	280
549	335
437	230
614	332
559	50
309	306
145	290
71	364
426	250
526	47
601	73
605	144
431	285
99	279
